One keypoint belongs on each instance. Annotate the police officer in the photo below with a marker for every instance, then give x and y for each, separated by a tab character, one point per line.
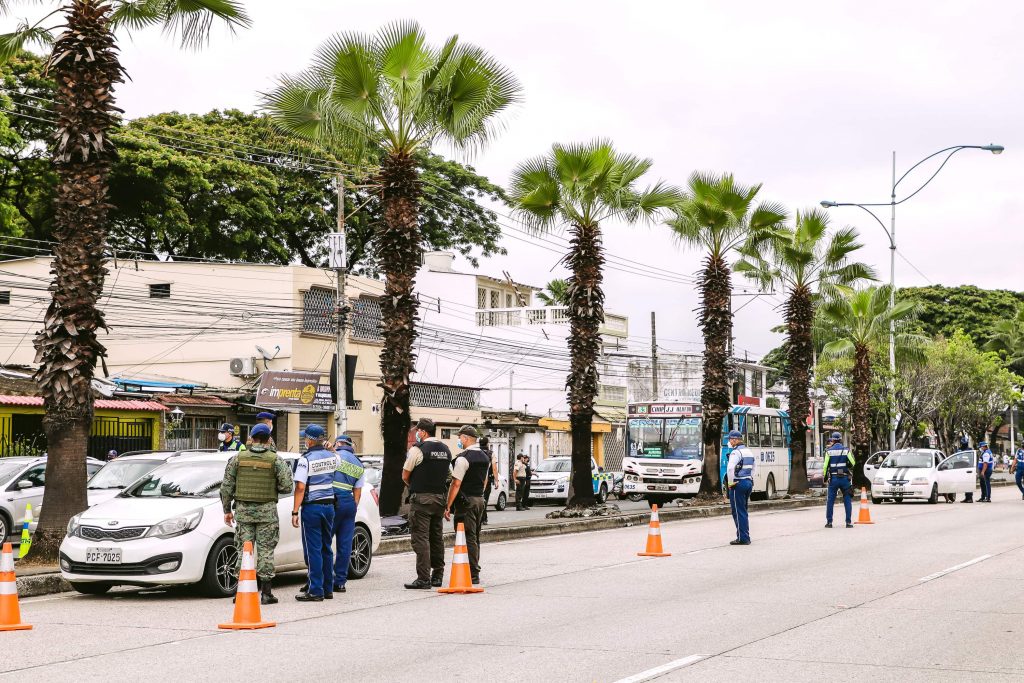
469	473
837	471
253	480
985	464
519	474
265	418
349	479
226	436
740	472
426	471
1017	466
493	479
314	494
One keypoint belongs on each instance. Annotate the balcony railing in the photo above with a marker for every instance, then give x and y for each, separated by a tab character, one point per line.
614	325
610	393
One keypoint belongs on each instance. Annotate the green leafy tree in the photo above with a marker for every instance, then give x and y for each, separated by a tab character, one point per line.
583	186
85	64
556	293
389	97
808	263
1007	339
717	215
944	310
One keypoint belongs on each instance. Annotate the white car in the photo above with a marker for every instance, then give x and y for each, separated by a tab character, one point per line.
923	474
23	481
117	474
550	480
168	528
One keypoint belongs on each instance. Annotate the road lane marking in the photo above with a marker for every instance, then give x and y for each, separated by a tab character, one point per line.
958	567
663	669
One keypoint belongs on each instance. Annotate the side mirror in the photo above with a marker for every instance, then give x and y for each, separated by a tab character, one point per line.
25	484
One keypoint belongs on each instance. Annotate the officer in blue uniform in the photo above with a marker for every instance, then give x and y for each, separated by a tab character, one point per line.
1017	467
985	464
838	468
226	436
348	487
314	496
740	471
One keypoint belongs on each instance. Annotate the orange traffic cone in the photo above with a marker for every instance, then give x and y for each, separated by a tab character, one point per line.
10	614
865	510
461	581
654	548
247	596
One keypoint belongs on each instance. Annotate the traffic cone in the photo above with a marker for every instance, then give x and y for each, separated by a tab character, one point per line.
10	614
461	580
26	538
865	510
247	596
654	548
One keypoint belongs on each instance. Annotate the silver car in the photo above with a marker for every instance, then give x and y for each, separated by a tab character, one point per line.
22	481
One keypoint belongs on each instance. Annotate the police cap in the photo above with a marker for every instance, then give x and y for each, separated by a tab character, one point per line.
314	432
735	435
227	427
344	438
425	424
836	436
265	416
260	430
469	430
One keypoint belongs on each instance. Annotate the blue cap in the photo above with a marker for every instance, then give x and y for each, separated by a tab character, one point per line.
735	435
265	416
314	432
344	438
983	443
836	436
260	430
227	427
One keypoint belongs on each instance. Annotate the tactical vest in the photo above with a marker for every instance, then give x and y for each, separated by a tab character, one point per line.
745	466
256	481
431	475
839	462
350	471
475	479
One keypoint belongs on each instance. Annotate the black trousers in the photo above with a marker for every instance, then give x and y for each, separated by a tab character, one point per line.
520	493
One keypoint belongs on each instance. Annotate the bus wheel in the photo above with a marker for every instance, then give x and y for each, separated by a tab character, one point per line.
769	487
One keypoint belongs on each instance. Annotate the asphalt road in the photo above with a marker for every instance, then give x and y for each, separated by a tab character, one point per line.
927	593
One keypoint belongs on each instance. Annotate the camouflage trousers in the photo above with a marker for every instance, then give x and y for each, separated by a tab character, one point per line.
264	537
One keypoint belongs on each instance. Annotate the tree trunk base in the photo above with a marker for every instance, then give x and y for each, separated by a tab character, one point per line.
705	499
576	511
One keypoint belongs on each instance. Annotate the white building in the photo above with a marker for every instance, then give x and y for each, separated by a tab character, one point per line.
680	376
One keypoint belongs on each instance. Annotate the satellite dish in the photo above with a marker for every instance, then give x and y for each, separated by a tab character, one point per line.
267	355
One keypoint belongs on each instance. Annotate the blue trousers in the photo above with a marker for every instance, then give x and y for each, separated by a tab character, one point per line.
1019	475
836	484
986	484
739	496
317	534
344	527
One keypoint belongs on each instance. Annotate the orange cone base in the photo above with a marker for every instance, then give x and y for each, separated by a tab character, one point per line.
654	554
862	522
468	589
16	627
249	626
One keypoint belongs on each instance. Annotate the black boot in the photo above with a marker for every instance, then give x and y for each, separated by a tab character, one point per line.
266	596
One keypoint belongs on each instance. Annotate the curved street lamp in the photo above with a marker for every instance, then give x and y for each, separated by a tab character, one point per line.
890	232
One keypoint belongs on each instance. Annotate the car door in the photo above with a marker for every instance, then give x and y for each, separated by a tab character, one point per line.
289	544
19	497
873	462
955	474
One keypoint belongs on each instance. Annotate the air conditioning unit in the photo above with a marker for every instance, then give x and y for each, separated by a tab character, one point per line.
242	367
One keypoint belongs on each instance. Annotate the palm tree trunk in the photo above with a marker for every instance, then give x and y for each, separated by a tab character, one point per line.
799	320
586	313
399	245
716	324
859	411
86	67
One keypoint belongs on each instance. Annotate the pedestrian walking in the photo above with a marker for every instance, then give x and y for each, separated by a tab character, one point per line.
493	478
837	471
519	474
226	436
349	479
1017	467
469	472
314	500
426	471
265	418
253	481
528	470
985	464
740	471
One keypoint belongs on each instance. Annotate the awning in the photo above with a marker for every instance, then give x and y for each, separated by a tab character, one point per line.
101	403
563	425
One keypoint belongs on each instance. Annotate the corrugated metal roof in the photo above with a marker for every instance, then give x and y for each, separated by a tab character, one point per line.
183	400
104	403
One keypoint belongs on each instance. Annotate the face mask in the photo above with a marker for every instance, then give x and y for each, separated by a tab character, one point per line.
222	436
419	439
462	446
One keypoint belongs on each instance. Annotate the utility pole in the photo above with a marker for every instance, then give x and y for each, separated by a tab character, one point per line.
511	377
339	263
654	359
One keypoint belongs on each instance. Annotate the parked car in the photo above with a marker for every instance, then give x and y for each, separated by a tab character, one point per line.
117	474
923	474
550	480
23	481
168	528
873	462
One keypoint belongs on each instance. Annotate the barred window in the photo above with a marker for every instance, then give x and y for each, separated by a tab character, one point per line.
366	319
318	311
481	298
439	396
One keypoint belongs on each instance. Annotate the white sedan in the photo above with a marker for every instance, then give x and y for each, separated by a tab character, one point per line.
923	474
168	528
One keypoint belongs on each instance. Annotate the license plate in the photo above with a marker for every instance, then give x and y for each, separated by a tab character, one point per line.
103	556
663	487
896	490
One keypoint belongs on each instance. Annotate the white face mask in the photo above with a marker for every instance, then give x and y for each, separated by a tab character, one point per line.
221	436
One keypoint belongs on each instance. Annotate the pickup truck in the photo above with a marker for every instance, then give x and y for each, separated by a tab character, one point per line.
550	480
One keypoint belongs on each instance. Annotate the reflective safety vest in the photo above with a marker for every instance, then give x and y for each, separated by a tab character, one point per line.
350	471
320	482
838	462
235	445
256	481
745	466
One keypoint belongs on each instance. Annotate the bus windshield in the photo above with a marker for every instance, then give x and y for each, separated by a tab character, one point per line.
665	437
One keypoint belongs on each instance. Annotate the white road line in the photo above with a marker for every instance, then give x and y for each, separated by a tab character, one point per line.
958	567
663	669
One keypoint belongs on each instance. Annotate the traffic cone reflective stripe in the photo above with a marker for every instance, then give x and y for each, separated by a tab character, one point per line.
247	596
10	613
865	511
654	548
26	538
461	581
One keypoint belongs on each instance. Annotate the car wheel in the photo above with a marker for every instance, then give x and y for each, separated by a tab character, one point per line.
362	553
897	500
876	501
502	502
5	528
602	494
635	497
769	487
934	498
218	581
92	588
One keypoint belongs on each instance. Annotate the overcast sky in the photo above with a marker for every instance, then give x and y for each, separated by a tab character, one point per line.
808	98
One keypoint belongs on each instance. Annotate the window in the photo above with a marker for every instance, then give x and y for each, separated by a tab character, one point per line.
753	438
495	298
778	437
481	298
508	301
446	434
366	319
5	297
160	291
318	311
758	383
36	475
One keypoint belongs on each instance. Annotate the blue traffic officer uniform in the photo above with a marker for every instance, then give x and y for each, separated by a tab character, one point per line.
985	464
315	469
349	478
838	471
1018	468
742	465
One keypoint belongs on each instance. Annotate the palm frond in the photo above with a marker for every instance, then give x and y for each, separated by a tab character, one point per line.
838	348
11	44
189	21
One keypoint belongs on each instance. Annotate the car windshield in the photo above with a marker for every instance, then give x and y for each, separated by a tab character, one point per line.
119	473
373	475
909	459
180	480
553	465
9	469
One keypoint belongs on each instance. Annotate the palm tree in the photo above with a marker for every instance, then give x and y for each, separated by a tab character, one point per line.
809	265
1007	340
84	63
717	215
392	95
556	293
858	325
582	186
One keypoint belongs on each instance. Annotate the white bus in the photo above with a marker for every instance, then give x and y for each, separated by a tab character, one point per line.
766	432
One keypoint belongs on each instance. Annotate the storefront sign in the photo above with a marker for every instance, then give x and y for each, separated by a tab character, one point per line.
294	390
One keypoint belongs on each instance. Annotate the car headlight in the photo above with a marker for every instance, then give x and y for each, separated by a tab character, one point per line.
176	526
563	480
920	480
879	480
74	523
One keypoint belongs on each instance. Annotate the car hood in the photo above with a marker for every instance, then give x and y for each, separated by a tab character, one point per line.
97	496
127	511
549	476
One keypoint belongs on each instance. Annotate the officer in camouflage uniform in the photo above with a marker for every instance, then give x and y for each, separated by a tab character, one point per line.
253	480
